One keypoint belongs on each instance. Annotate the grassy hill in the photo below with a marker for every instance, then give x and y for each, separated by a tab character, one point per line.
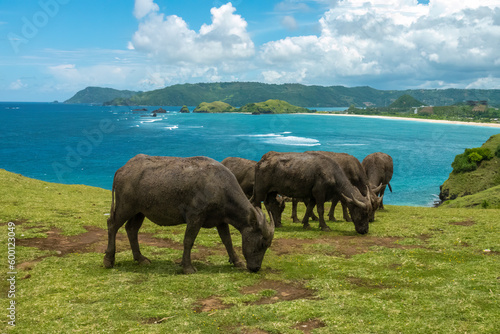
214	107
405	101
425	270
99	95
485	175
272	107
241	93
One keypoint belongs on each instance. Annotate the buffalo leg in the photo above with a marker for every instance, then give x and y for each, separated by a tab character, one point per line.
192	230
294	217
113	227
273	208
321	211
345	213
309	209
133	225
381	206
331	213
225	236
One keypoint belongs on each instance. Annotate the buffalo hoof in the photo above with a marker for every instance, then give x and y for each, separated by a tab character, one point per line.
239	264
108	263
188	270
325	228
144	261
307	226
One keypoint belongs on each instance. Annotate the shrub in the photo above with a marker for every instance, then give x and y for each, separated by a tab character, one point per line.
475	157
470	159
497	152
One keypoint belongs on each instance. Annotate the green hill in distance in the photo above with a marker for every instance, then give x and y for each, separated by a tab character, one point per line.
214	107
99	95
272	107
241	93
406	101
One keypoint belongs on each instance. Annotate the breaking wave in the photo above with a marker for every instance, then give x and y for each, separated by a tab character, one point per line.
283	139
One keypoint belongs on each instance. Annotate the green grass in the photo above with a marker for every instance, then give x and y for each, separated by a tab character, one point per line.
418	270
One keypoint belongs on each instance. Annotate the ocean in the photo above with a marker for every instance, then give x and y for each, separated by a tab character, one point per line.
86	144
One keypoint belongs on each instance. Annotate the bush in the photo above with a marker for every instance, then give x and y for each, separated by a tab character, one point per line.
497	152
475	157
470	159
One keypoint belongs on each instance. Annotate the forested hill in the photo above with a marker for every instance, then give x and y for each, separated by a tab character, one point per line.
241	93
99	95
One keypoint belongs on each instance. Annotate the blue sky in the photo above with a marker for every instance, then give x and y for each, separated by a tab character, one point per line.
50	49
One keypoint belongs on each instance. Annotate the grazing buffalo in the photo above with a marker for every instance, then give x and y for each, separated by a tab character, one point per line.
379	169
244	170
198	192
356	175
311	176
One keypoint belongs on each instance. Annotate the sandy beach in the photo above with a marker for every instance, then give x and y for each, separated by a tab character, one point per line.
491	125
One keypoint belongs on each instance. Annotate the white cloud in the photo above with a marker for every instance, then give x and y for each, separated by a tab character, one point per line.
445	40
485	83
69	77
289	22
18	84
169	39
144	7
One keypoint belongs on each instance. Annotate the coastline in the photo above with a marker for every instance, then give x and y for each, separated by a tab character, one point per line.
491	125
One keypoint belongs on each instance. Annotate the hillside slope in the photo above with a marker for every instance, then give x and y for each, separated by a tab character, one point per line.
486	176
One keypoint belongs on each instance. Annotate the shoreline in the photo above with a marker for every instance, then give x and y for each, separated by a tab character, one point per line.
491	125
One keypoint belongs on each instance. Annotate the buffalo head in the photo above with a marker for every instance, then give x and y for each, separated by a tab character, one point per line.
256	239
361	211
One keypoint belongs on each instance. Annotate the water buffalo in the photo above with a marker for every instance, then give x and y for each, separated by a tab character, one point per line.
379	169
311	176
244	170
357	176
198	192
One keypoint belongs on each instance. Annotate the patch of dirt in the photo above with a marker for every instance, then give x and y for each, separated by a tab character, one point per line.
96	240
210	304
360	282
310	325
284	291
253	331
464	223
340	245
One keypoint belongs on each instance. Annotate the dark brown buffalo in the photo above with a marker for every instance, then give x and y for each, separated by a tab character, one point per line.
244	170
379	170
357	176
198	192
311	176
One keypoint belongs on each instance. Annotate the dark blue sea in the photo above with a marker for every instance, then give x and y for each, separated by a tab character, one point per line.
84	144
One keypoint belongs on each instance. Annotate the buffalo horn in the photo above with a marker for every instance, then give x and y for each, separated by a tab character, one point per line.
368	195
379	188
267	229
356	201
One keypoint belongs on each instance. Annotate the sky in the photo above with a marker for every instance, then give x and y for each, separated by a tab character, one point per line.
50	49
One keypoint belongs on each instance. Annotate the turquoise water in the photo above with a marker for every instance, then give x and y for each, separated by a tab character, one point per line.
83	144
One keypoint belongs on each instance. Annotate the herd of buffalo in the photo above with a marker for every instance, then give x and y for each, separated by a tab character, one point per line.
201	192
